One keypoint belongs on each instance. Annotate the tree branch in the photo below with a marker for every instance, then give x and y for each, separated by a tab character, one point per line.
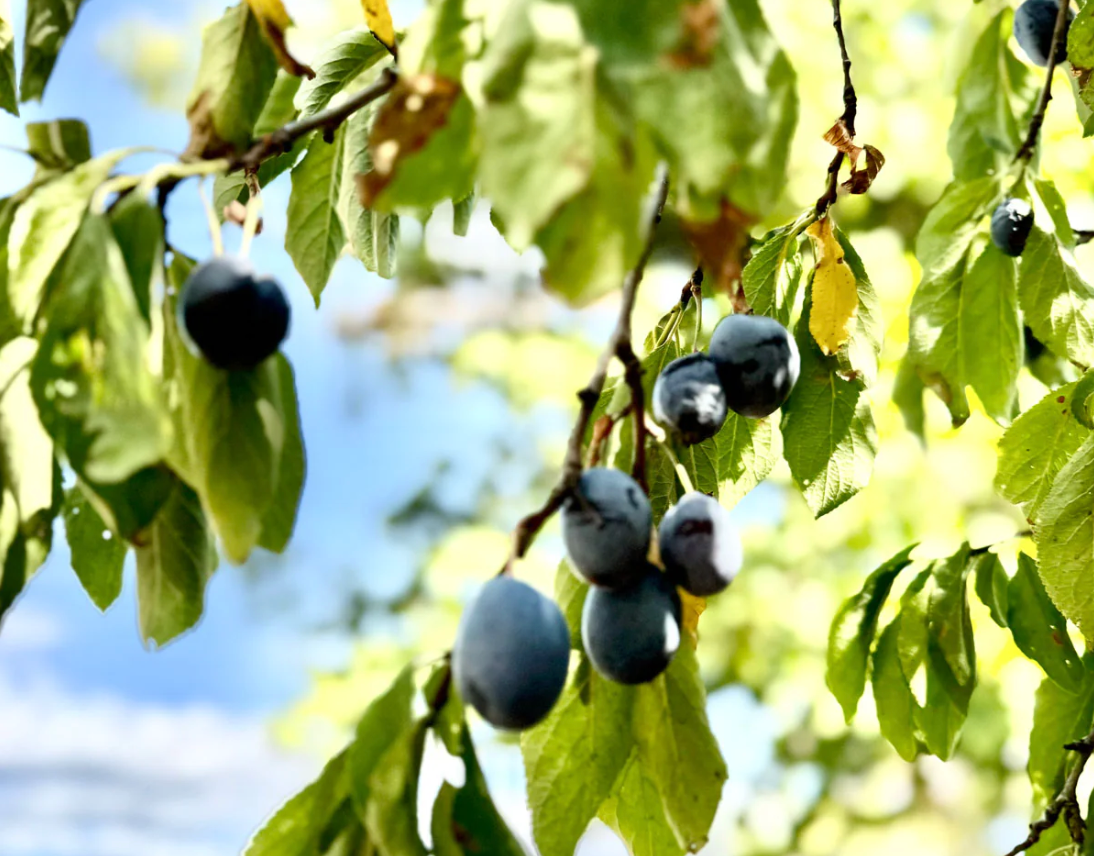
620	347
850	113
1065	803
1025	153
280	141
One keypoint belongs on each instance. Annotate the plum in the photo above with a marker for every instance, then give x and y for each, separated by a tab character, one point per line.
606	527
1011	223
632	634
688	398
1034	22
757	362
233	317
700	547
511	654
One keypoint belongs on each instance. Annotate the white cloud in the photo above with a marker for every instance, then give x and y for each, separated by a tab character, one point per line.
28	629
101	776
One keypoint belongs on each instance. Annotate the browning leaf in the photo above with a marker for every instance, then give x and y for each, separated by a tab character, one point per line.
721	245
275	20
699	36
861	179
839	137
415	110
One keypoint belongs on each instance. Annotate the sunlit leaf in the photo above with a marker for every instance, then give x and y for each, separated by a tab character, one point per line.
315	236
274	20
834	291
1039	630
48	25
9	97
97	555
378	18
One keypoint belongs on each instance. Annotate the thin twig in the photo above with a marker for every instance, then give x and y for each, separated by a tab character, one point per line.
1083	236
850	112
1065	803
619	346
1025	153
280	141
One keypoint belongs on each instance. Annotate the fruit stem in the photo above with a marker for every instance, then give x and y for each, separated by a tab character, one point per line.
214	222
1025	153
254	209
621	348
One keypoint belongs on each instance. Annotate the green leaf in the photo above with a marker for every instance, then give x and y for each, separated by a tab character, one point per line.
1039	630
174	562
908	392
771	277
700	462
747	451
1057	301
9	97
391	815
59	145
638	817
1059	717
373	235
576	759
984	134
436	43
299	825
315	236
1036	447
386	719
950	626
48	25
1080	400
129	507
596	237
349	55
91	378
991	585
853	631
280	107
828	429
43	228
97	555
465	820
280	519
538	122
235	77
860	356
1080	54
1065	538
965	331
138	230
31	495
462	209
892	694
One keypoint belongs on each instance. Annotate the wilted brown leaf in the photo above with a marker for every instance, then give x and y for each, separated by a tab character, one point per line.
861	179
236	212
205	142
415	110
839	137
699	36
274	20
720	245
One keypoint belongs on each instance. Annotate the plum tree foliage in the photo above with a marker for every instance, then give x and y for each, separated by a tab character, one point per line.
154	381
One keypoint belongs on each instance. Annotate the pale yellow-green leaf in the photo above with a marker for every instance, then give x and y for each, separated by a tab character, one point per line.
378	18
835	292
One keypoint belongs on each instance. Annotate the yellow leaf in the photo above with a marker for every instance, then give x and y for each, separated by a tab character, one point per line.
835	292
692	608
379	21
274	19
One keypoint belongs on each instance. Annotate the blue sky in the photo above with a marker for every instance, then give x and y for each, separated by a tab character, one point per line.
107	749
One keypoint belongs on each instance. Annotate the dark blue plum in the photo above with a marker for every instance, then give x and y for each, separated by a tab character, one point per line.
632	634
1034	22
700	547
689	400
233	317
757	361
606	526
1011	223
511	654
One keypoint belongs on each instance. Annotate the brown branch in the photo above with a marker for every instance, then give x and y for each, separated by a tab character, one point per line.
1083	236
619	346
1025	153
850	112
282	140
1065	803
602	430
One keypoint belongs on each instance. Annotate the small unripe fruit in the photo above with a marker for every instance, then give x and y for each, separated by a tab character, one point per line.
511	654
606	526
235	319
688	398
1034	22
1011	223
757	361
632	634
700	547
